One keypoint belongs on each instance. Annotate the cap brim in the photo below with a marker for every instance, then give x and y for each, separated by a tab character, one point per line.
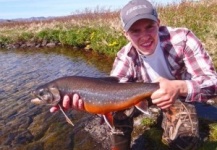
134	19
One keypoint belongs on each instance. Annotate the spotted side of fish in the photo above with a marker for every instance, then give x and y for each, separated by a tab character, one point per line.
100	95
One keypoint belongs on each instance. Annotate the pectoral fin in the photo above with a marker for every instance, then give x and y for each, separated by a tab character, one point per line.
108	118
143	107
67	118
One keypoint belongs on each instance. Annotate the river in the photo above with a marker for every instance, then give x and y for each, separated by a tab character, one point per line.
26	126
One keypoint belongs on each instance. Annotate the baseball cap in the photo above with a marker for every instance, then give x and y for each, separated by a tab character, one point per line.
136	10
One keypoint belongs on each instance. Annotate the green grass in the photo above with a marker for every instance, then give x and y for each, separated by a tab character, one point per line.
100	29
207	129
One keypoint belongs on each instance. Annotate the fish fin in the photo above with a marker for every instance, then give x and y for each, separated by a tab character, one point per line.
143	107
67	118
109	120
102	120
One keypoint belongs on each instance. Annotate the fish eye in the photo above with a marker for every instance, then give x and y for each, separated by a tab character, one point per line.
41	92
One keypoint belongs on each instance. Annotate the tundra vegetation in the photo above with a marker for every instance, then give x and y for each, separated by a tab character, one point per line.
99	31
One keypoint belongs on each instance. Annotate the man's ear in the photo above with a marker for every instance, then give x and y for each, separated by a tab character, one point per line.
126	35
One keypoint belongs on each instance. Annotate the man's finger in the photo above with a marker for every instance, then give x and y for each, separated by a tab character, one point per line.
158	93
66	102
75	99
53	109
80	104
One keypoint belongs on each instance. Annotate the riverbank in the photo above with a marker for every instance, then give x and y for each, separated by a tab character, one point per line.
100	30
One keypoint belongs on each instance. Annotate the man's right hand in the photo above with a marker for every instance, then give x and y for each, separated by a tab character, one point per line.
74	103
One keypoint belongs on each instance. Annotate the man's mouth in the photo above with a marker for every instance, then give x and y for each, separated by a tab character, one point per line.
147	44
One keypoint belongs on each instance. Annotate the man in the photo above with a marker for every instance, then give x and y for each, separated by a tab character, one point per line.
176	59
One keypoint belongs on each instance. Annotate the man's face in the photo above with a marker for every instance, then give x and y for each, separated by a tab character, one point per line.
143	35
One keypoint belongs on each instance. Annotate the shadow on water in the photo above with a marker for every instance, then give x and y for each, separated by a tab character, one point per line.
26	126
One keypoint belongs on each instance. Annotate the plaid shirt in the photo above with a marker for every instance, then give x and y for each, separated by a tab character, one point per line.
185	56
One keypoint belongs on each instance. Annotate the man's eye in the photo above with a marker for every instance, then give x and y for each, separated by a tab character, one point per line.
150	27
134	31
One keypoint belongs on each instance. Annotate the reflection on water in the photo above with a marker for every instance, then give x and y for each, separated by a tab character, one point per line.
25	126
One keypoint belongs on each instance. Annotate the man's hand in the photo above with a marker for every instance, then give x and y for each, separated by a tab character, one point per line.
74	103
168	92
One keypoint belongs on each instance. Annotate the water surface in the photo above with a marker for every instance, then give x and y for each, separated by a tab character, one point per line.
26	126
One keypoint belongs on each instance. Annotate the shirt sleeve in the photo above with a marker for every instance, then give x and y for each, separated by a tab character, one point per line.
203	82
121	67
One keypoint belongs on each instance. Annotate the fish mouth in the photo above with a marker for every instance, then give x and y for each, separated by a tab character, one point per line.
36	101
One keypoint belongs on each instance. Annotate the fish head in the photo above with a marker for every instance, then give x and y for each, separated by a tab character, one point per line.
46	96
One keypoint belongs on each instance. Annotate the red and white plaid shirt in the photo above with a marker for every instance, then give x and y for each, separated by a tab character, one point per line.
185	56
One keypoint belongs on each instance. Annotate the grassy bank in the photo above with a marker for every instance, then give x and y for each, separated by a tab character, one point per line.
100	29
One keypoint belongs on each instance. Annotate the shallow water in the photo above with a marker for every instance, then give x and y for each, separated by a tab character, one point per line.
26	126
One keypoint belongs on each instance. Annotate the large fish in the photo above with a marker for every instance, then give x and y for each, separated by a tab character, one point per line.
100	95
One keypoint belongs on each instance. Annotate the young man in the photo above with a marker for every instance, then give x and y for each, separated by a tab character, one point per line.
176	59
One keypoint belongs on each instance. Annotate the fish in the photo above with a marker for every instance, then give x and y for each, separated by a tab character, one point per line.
100	95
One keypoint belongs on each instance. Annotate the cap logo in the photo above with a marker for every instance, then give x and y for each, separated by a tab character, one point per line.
135	8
